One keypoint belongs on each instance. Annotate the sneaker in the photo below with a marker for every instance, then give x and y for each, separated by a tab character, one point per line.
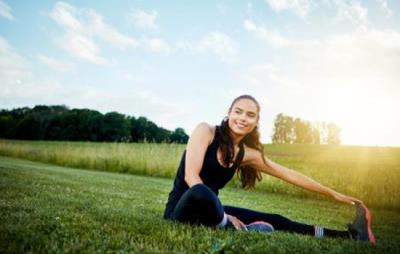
260	226
360	229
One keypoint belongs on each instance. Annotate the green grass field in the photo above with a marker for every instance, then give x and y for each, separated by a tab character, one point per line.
53	209
369	173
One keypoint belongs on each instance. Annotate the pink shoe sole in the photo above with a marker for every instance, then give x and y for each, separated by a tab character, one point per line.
368	215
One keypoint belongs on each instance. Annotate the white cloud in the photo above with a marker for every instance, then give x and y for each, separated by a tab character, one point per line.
300	7
5	11
348	78
17	82
385	7
157	45
266	34
108	33
55	64
368	52
260	75
82	47
351	11
347	10
143	19
216	43
136	77
82	28
219	44
65	15
14	69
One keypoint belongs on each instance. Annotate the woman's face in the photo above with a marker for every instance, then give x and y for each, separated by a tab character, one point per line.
243	117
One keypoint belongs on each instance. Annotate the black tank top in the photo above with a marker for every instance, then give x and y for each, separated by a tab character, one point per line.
212	173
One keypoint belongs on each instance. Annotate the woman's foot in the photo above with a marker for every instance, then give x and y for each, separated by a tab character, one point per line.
360	229
260	226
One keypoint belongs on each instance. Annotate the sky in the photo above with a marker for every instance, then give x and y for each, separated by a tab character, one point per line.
180	63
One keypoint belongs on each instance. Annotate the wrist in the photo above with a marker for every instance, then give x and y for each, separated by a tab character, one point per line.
224	221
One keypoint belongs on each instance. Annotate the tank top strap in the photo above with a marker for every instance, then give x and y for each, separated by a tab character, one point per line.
214	142
240	155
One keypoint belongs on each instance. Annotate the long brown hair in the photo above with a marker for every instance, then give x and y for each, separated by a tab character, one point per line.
247	175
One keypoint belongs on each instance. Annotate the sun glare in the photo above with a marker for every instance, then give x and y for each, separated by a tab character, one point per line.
360	113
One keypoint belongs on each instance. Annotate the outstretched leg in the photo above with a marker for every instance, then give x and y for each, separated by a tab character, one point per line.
280	222
199	205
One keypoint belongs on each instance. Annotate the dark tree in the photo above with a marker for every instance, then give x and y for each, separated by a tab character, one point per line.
179	136
115	127
60	123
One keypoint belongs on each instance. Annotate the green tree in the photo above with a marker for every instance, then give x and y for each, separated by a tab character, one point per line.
7	124
115	127
60	123
288	131
303	131
138	129
179	136
284	132
28	128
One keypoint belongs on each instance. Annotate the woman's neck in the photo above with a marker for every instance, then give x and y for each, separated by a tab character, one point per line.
236	138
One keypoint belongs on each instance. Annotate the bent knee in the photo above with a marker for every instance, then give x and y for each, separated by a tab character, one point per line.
202	192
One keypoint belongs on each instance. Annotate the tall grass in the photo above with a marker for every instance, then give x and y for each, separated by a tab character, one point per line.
144	158
369	173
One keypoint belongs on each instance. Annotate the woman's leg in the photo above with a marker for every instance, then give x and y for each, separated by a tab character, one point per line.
199	205
279	222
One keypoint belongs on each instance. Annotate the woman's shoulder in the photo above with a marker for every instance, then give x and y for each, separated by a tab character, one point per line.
206	130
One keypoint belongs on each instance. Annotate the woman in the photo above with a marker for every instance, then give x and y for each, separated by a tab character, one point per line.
212	157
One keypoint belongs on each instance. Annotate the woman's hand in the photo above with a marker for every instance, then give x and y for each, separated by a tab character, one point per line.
346	199
238	224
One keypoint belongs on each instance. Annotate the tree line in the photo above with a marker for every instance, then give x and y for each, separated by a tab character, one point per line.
290	130
61	123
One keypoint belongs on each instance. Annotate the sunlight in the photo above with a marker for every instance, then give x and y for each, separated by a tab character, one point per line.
361	112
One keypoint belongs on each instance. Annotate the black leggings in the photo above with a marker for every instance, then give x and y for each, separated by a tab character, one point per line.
200	205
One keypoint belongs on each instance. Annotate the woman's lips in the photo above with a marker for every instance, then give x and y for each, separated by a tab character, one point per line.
241	125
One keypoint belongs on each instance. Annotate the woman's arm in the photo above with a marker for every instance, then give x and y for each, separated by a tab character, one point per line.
296	178
199	140
196	148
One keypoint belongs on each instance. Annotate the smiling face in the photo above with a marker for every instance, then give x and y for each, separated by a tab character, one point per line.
243	117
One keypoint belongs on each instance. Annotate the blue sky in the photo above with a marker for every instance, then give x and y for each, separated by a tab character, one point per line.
182	62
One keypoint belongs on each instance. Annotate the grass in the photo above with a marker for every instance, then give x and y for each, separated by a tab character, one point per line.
53	209
344	168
